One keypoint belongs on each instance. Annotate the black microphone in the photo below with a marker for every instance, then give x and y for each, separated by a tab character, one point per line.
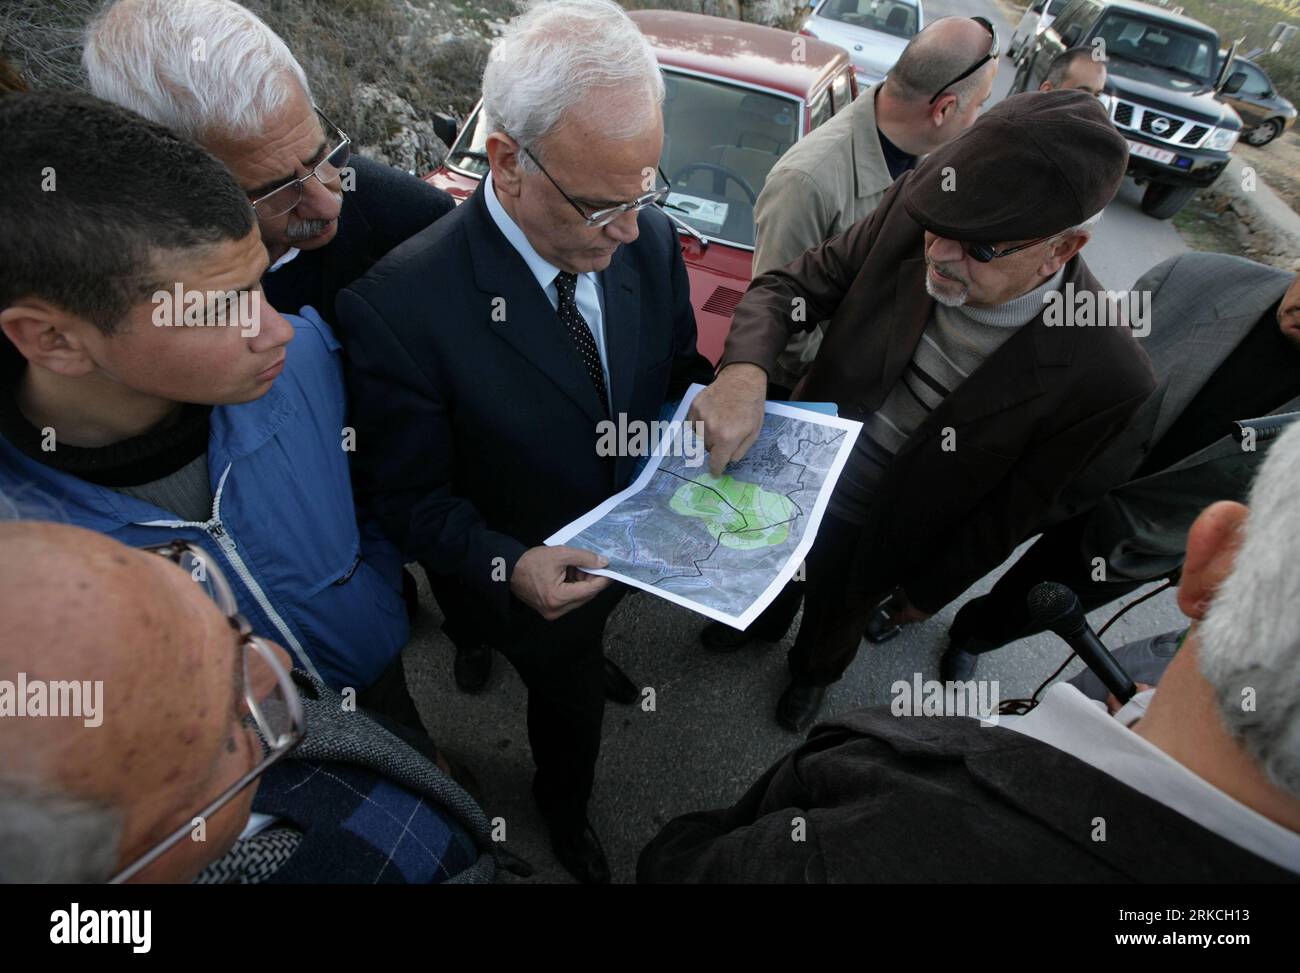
1056	607
1266	427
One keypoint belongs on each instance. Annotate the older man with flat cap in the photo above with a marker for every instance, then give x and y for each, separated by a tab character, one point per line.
976	411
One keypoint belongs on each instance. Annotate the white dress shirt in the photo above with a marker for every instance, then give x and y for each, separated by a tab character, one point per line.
284	259
1070	721
588	296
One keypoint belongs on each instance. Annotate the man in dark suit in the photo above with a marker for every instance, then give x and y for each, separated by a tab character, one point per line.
1225	343
1188	782
977	411
485	352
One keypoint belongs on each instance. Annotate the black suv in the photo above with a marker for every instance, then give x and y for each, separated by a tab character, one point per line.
1164	73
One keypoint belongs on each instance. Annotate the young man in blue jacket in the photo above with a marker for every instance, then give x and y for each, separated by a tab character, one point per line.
148	391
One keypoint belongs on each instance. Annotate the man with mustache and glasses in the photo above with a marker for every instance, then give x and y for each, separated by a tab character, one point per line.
976	410
248	102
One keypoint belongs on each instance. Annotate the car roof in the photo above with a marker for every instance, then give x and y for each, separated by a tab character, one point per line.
740	51
1160	13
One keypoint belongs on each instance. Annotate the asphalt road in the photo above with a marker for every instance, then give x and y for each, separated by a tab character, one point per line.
712	731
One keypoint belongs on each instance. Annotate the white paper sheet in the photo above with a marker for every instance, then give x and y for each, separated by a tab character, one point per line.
722	547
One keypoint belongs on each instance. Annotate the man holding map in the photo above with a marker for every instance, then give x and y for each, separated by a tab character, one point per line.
976	410
488	351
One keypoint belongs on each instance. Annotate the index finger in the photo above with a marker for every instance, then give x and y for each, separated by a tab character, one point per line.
719	457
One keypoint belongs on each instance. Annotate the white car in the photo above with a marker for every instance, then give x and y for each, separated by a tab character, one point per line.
1037	19
874	32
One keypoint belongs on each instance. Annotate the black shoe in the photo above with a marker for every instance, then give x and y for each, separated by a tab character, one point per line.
957	665
618	687
718	637
798	705
879	630
473	666
962	655
581	855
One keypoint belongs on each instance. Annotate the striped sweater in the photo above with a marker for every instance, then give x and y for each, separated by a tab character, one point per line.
956	341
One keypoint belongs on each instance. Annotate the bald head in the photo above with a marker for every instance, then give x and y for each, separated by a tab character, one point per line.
940	52
80	607
926	70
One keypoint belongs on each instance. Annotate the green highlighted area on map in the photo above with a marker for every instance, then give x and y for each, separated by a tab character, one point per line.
741	515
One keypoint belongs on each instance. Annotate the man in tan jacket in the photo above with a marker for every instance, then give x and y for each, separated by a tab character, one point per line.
828	181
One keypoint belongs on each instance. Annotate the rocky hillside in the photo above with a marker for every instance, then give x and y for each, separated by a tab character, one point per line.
380	68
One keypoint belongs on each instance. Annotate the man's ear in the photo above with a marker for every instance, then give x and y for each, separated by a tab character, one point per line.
1212	546
503	157
942	109
1063	252
48	336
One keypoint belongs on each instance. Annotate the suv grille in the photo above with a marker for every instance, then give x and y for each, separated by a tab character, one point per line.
1159	125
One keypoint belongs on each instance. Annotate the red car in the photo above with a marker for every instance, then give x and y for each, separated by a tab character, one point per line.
738	95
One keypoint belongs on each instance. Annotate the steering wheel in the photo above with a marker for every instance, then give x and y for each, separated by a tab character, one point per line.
720	176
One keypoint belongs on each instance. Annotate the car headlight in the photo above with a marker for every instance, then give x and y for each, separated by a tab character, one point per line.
1222	139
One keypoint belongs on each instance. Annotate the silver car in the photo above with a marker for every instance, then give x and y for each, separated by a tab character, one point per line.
1037	18
874	32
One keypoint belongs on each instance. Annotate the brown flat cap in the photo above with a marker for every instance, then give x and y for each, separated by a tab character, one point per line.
1034	164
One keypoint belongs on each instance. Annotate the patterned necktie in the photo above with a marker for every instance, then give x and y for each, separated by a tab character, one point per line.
566	286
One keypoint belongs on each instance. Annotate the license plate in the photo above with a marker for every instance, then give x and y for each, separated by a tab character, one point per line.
1150	152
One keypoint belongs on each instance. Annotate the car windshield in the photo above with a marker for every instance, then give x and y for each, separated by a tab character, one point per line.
1159	45
885	16
720	142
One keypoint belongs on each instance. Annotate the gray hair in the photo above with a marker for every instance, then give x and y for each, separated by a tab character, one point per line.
199	67
48	837
557	54
1249	644
1084	227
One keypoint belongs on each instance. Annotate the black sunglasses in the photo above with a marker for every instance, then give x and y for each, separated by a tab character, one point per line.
991	55
984	252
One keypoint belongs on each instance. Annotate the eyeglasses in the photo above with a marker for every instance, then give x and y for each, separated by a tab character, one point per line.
990	56
603	217
278	715
983	252
281	200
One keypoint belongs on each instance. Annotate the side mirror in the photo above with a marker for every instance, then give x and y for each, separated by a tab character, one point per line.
1235	81
446	127
1071	36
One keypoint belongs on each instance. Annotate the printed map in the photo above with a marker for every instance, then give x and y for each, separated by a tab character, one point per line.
721	545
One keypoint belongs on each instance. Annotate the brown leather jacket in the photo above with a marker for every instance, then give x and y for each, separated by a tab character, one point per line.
986	469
